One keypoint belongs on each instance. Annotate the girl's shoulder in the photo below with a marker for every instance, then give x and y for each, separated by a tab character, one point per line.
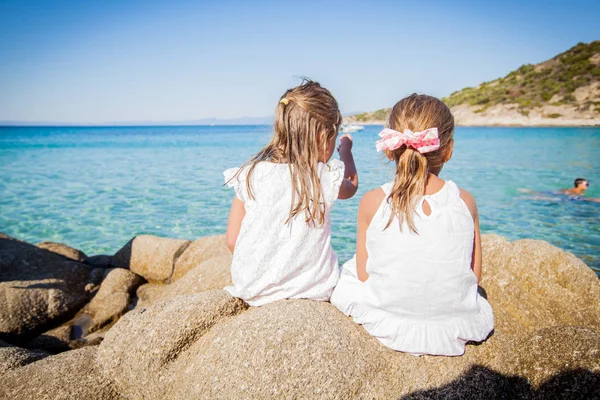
469	200
371	201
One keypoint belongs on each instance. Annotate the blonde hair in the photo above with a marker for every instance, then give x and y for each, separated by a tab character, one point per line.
307	118
417	113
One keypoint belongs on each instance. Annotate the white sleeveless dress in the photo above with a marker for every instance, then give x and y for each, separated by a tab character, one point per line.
274	260
421	295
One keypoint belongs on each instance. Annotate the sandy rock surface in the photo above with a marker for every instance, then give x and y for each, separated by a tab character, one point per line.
12	357
199	251
186	341
112	300
211	274
63	250
151	257
39	287
546	339
532	285
136	352
70	375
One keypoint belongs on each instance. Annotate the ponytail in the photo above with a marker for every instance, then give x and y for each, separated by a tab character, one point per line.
417	113
409	186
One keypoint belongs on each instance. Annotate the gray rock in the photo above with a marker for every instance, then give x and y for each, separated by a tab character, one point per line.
39	288
286	349
151	257
534	285
110	302
215	273
63	250
552	351
70	375
553	363
55	340
137	349
100	261
308	349
199	251
12	357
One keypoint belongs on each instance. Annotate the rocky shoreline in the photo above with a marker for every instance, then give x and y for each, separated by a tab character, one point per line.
151	322
510	116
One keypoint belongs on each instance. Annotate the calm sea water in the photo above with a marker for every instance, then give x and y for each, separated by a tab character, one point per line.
95	188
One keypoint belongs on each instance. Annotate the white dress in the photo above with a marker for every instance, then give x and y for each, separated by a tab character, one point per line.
274	260
421	295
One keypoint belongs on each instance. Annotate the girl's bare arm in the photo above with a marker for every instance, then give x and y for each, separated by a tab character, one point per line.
236	215
350	183
476	260
366	210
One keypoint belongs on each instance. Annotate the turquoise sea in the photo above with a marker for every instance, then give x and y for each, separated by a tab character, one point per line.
95	188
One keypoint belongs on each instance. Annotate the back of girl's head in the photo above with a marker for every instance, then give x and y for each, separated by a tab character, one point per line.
307	118
417	113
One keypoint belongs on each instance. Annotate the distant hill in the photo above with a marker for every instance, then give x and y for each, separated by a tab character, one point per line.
564	90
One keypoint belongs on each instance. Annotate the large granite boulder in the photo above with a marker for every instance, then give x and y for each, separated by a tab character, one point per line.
209	345
12	357
70	375
549	352
532	284
39	288
198	252
151	257
287	349
100	261
113	299
138	349
214	273
63	250
55	340
307	349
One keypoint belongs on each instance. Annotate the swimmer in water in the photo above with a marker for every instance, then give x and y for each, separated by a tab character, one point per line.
580	185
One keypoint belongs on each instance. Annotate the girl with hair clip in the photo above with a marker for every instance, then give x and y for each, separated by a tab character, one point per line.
413	281
279	227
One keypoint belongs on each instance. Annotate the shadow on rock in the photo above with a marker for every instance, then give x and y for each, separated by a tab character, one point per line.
483	383
57	287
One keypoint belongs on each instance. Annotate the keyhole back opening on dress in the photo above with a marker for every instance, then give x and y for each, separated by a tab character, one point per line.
426	208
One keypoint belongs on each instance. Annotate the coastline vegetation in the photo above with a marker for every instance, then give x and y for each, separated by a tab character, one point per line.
552	82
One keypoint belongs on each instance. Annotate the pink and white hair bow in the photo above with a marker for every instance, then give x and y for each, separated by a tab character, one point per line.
424	142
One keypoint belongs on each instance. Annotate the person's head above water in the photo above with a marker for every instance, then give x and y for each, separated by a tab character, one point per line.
307	120
581	183
422	144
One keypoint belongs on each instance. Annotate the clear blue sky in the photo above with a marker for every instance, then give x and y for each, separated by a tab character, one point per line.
110	61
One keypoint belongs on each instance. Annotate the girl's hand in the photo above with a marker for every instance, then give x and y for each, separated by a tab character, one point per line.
350	183
345	143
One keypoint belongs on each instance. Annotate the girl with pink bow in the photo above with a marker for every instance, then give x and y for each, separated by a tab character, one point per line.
413	281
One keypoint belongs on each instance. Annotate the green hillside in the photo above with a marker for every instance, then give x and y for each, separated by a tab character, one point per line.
379	115
552	82
536	85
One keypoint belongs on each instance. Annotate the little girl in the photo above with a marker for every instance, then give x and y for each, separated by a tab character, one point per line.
413	281
279	226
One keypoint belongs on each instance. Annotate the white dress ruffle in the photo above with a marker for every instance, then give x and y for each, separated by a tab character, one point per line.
274	260
421	295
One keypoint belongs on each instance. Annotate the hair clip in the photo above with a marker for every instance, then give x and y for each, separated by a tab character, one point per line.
285	101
